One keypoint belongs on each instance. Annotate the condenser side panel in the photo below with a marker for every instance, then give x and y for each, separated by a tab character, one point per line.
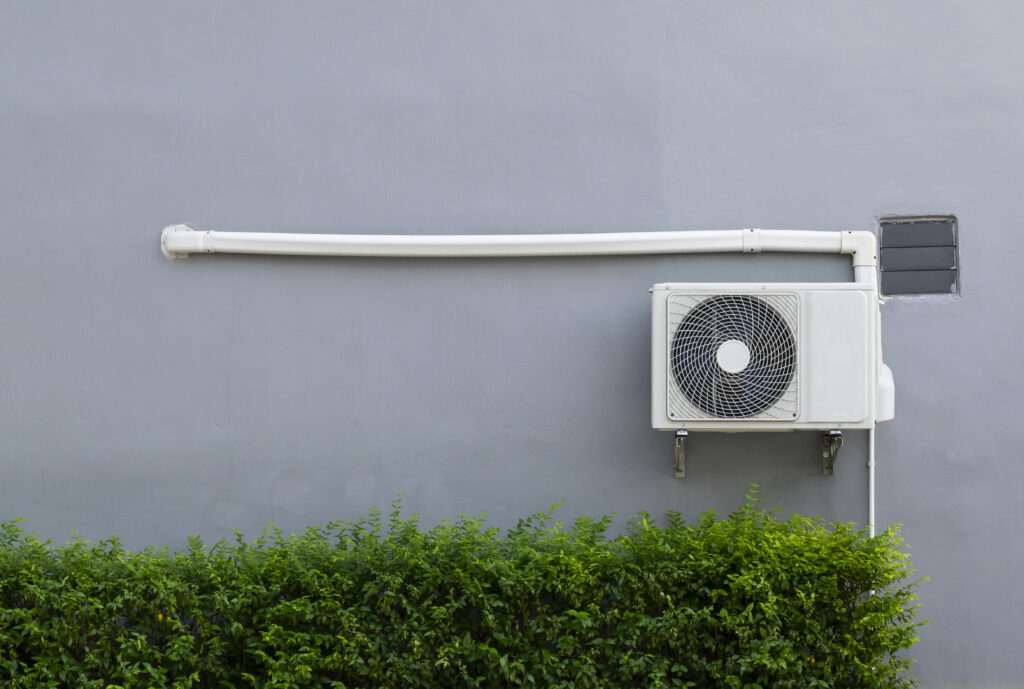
659	363
836	341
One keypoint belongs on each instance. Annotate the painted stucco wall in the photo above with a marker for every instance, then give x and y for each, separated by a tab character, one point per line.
156	399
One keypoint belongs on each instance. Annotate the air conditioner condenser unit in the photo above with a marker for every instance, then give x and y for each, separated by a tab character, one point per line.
768	357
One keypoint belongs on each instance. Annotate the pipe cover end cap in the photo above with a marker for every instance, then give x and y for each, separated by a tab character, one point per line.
167	241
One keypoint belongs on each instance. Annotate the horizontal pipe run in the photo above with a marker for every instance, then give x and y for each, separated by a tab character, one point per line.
475	245
180	240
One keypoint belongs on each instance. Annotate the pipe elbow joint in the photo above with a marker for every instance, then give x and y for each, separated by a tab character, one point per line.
178	241
862	246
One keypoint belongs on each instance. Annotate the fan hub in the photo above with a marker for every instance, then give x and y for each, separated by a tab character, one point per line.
732	356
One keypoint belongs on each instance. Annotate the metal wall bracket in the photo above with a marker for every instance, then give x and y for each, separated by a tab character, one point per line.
680	465
831	441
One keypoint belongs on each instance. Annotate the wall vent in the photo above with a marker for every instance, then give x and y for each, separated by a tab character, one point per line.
919	255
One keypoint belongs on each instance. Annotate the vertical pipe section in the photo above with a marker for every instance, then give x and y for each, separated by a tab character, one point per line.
871	482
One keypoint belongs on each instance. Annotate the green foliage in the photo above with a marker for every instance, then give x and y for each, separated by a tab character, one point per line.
748	602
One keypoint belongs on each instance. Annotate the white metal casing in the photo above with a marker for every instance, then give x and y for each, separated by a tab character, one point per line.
840	381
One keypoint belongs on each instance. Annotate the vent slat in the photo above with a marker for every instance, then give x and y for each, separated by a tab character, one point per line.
919	282
911	234
919	258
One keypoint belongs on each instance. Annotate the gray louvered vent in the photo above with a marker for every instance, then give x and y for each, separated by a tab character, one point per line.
919	255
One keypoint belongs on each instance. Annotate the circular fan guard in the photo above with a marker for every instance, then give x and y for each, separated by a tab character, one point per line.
711	324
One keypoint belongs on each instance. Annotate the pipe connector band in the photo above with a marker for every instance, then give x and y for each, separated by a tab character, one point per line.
751	240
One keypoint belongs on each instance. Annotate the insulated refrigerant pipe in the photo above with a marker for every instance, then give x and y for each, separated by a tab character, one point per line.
178	241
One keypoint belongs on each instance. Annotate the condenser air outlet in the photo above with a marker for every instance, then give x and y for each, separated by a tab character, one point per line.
733	356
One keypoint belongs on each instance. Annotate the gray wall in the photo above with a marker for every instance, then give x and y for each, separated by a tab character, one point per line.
157	399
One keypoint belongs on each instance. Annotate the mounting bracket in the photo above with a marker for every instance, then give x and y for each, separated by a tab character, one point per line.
680	465
831	441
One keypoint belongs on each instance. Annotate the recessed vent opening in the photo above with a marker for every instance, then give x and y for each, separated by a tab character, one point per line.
919	255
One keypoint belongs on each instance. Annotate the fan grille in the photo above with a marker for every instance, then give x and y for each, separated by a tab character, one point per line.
763	387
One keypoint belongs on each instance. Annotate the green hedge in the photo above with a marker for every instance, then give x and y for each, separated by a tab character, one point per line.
748	601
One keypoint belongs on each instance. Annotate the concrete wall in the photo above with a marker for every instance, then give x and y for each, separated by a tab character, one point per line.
157	399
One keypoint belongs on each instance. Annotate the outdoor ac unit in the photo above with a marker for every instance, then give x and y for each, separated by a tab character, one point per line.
766	357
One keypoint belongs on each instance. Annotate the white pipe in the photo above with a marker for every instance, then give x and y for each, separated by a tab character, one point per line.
865	274
470	245
178	241
871	482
